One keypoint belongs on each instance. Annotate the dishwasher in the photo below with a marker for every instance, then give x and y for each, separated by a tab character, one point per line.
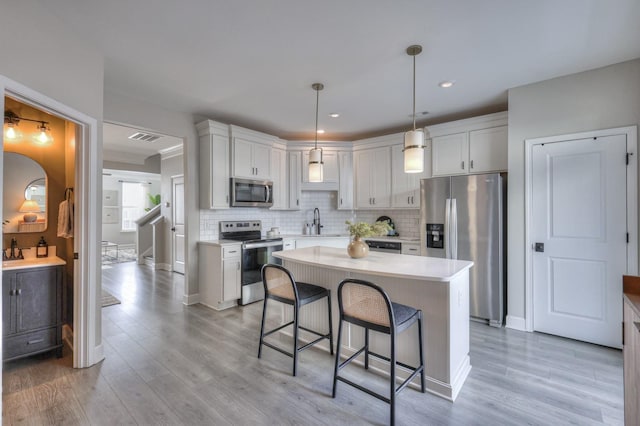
385	246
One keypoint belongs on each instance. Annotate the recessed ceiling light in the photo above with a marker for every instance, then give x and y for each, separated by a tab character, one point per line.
334	115
320	131
446	84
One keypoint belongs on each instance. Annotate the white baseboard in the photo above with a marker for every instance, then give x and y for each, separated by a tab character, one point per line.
191	299
98	354
163	267
516	323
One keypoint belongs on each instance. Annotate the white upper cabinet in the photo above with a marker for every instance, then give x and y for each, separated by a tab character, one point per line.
450	154
345	188
488	150
474	145
295	178
373	178
214	165
330	167
251	153
405	187
279	177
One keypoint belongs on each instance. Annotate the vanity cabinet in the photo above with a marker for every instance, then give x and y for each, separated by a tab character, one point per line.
474	145
373	178
31	311
219	274
214	165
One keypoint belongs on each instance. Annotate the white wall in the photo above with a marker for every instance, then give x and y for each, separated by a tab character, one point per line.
597	99
42	53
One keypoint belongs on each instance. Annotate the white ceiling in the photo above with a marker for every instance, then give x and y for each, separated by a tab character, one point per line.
118	147
252	63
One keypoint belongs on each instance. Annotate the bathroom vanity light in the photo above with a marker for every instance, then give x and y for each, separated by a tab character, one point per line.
11	132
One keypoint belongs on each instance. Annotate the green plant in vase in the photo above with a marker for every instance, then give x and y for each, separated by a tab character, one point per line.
154	199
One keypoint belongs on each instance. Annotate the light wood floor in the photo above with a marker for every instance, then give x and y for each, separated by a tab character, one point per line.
170	364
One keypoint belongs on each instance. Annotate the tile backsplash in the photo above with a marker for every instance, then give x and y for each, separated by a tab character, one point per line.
292	222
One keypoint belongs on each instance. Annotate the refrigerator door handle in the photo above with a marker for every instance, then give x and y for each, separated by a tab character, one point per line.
453	226
447	228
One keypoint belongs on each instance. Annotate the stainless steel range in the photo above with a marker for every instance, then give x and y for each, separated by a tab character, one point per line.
256	251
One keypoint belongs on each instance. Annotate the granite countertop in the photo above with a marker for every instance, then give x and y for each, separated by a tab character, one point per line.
376	263
36	262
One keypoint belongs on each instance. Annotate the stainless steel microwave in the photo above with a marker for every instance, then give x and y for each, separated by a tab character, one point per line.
251	193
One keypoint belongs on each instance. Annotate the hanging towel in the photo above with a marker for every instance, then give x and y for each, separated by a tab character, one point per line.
65	219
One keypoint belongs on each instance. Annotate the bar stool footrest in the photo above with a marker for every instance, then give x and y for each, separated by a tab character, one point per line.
363	389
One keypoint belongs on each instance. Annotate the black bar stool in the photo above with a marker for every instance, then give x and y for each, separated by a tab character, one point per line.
365	304
279	285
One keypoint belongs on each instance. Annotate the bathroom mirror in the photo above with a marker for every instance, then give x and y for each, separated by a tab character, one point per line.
24	180
37	191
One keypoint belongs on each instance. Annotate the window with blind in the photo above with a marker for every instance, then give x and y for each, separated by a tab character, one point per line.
134	199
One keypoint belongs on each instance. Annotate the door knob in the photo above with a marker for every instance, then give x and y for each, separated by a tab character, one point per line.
539	247
173	228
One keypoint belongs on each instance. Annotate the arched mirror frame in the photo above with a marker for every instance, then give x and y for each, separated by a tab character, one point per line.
20	173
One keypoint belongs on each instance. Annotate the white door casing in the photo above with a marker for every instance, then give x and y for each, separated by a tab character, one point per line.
87	350
581	203
178	238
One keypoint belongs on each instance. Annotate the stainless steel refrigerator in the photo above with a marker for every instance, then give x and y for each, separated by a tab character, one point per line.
464	217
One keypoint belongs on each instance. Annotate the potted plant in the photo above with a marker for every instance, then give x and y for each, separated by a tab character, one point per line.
359	230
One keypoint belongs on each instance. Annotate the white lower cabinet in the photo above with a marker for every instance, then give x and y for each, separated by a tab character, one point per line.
338	242
219	273
410	248
288	244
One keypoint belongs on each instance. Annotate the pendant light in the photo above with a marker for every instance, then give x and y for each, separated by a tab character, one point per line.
414	139
315	154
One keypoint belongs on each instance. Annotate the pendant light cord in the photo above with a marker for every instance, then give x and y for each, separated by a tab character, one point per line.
414	93
317	102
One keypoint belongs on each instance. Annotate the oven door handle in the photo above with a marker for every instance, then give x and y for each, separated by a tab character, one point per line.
260	245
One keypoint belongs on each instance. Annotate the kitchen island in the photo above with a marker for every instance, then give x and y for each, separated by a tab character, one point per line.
439	287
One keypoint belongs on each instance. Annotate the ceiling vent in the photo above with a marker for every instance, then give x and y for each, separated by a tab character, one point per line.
146	137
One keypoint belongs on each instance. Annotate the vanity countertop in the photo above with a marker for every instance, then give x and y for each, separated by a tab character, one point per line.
38	262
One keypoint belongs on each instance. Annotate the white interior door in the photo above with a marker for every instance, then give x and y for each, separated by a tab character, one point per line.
178	224
578	212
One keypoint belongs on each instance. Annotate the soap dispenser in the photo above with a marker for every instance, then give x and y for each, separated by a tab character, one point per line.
42	249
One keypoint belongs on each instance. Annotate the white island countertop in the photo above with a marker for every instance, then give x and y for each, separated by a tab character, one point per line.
376	263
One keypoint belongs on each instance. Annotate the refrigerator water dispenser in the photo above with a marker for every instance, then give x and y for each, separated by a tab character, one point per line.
435	235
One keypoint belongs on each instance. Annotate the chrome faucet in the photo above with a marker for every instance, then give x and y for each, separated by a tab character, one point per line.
316	220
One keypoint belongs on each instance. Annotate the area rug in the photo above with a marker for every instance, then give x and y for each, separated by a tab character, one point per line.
108	299
124	255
